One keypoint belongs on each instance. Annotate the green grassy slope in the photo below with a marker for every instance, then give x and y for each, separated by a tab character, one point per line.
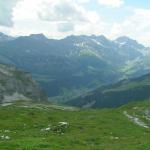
105	129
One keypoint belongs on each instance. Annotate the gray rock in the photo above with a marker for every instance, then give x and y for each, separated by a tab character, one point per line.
18	85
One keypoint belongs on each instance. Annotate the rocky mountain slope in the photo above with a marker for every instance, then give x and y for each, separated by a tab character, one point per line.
17	85
76	64
117	94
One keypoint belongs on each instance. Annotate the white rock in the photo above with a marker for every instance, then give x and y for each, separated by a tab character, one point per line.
3	137
114	138
63	123
136	120
7	137
6	131
47	129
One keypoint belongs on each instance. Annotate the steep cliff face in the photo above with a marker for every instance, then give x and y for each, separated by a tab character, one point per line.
18	85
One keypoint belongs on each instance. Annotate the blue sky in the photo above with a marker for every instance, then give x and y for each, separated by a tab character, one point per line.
60	18
138	3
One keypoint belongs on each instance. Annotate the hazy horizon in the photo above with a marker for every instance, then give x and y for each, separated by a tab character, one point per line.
90	35
60	18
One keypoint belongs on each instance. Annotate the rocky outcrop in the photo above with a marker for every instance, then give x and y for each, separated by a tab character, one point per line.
18	85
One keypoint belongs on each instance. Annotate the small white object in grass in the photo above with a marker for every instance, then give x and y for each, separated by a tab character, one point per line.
6	131
147	114
7	137
46	129
3	137
63	123
6	104
114	138
135	108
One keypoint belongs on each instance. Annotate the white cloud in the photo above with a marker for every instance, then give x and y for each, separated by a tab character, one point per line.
65	27
26	9
66	13
6	12
137	26
61	11
83	1
55	18
111	3
59	18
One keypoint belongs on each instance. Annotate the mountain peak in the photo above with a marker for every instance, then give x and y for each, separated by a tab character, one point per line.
87	37
1	34
38	36
102	36
125	40
4	37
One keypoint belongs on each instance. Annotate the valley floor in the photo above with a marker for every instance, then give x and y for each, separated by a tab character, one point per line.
26	126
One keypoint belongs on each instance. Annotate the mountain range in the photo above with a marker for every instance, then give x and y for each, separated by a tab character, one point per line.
82	72
72	66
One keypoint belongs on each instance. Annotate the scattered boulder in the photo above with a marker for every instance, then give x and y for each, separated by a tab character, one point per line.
5	137
59	128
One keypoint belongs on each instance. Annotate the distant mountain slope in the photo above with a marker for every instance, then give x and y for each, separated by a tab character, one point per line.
4	37
17	85
115	95
75	64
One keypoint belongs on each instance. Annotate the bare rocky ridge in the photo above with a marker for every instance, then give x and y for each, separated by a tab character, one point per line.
17	85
